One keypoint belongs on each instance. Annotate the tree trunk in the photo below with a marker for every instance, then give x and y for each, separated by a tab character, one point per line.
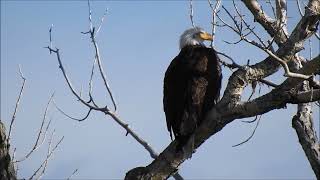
7	170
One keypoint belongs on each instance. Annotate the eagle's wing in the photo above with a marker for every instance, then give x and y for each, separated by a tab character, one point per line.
174	93
191	88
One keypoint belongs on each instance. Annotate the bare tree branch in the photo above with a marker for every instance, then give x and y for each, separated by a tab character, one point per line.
16	106
299	7
47	159
73	118
281	12
254	130
191	14
73	173
302	122
213	22
262	46
95	107
39	142
268	23
45	162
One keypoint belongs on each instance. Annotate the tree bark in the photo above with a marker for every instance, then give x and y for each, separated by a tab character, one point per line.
302	122
7	170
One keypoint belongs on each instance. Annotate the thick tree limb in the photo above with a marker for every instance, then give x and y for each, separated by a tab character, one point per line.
269	24
302	122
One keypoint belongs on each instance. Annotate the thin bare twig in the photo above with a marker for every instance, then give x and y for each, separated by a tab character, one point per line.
50	36
102	73
101	22
39	142
254	120
268	83
89	15
299	7
213	22
73	118
47	158
310	49
254	130
253	85
91	83
317	35
16	106
191	14
73	173
237	30
234	65
272	7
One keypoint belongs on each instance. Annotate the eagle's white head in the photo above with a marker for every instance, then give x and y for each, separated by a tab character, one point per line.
194	36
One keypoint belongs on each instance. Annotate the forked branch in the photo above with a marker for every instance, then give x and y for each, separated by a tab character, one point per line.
91	103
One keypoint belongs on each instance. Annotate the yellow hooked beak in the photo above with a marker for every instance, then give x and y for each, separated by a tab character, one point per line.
206	36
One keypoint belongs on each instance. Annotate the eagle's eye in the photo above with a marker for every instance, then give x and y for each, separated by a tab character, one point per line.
196	35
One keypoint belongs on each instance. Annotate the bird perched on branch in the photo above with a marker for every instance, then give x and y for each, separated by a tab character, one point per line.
192	85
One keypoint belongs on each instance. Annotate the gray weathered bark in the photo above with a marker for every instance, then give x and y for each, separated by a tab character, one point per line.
7	170
302	122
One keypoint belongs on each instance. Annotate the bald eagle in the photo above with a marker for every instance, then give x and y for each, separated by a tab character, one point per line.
192	84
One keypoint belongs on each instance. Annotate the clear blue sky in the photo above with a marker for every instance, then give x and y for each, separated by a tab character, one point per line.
137	41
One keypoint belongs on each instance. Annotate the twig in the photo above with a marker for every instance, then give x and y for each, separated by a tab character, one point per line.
57	52
254	85
299	7
50	36
47	158
102	73
16	106
273	10
269	83
254	130
317	35
39	142
91	83
101	22
254	120
76	119
234	65
191	14
73	173
264	48
213	22
310	49
89	15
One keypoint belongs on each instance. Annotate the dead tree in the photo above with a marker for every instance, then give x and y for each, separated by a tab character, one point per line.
300	86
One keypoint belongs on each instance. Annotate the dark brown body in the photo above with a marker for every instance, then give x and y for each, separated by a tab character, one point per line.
191	88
